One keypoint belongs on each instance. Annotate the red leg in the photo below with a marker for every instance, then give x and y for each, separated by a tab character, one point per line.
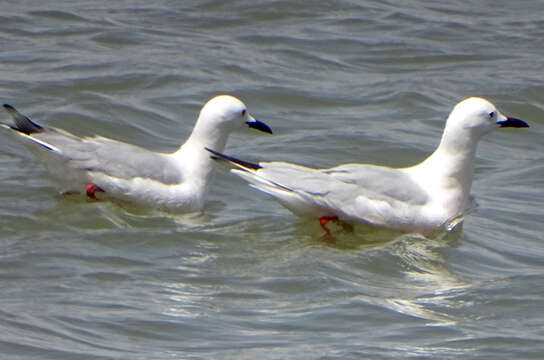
324	220
91	189
327	237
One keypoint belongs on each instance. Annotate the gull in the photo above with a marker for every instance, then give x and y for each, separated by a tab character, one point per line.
107	168
423	198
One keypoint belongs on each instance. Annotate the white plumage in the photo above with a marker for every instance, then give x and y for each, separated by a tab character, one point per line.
105	167
422	198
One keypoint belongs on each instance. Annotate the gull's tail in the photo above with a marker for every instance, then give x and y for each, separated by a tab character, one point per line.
22	123
26	128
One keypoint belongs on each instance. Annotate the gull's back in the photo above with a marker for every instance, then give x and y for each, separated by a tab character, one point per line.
103	155
360	192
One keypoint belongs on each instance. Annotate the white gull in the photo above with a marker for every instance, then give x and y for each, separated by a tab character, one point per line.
102	167
422	198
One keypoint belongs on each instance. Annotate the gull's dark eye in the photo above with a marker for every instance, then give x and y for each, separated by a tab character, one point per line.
492	114
243	112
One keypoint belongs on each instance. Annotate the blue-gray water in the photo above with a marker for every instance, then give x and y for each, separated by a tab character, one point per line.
340	81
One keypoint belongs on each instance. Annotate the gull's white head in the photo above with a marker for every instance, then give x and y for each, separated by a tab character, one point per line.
218	118
226	113
477	116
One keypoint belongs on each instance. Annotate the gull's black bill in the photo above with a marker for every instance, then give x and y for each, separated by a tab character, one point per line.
513	122
259	125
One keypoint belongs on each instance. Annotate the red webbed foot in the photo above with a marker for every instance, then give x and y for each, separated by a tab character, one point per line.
91	189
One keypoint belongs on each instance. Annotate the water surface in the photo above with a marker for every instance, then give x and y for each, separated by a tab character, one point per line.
338	82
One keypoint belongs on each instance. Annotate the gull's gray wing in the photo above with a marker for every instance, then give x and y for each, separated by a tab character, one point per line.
389	182
360	192
96	154
368	180
113	158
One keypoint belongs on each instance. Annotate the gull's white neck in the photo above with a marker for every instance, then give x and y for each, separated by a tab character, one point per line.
447	173
192	155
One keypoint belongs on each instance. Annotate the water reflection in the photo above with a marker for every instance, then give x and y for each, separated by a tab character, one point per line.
427	274
405	273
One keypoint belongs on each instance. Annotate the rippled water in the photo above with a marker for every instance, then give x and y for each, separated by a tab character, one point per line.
342	81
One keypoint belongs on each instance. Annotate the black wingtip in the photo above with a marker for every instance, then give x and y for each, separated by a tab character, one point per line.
22	123
217	155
